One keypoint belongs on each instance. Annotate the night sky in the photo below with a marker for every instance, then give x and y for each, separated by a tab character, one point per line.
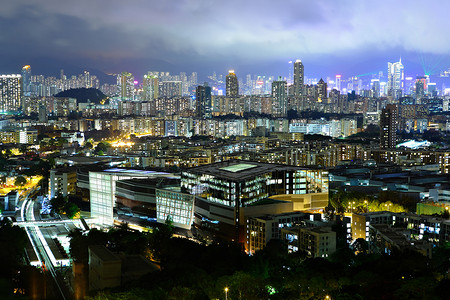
350	37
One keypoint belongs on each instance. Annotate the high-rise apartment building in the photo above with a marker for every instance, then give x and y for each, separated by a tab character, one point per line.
151	87
42	113
299	78
338	82
193	78
204	103
169	89
290	79
10	92
321	91
395	79
26	80
232	84
421	87
125	82
388	126
280	99
375	87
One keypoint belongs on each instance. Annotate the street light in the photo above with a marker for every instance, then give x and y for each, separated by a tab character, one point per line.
226	293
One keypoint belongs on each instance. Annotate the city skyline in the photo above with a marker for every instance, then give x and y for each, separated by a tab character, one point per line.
342	37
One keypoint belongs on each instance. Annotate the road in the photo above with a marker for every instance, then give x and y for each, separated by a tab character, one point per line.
42	249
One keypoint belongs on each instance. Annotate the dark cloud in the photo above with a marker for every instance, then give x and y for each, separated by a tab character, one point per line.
188	35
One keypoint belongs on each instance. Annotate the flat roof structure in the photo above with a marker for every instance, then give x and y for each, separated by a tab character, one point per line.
241	170
103	253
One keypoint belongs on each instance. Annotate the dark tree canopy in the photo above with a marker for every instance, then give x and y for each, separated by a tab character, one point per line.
84	95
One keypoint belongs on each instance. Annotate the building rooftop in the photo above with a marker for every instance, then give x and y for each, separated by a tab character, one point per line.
136	173
103	253
318	229
60	171
241	170
157	181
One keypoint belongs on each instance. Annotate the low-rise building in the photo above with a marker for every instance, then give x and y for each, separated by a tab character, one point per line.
62	181
105	268
316	241
260	230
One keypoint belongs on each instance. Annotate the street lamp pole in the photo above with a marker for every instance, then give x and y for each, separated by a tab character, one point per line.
226	293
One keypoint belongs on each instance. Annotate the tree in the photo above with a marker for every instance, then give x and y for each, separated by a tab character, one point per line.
71	210
61	141
360	246
13	240
3	180
58	203
292	114
23	148
20	181
8	153
88	145
42	144
101	148
159	240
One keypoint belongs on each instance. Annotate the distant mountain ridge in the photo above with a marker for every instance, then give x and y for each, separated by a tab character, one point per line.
84	95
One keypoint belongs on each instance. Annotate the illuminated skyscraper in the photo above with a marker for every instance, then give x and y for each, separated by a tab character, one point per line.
125	82
43	115
151	87
26	80
376	87
203	96
193	78
395	79
299	78
280	99
338	82
232	85
388	126
421	86
321	91
291	73
10	92
169	89
88	79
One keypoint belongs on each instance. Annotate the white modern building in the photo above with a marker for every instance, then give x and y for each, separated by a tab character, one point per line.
102	186
179	207
395	79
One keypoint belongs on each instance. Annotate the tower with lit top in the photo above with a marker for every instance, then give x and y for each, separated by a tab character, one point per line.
232	84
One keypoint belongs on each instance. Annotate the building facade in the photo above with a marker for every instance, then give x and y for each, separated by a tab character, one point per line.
222	189
232	84
388	126
299	78
10	92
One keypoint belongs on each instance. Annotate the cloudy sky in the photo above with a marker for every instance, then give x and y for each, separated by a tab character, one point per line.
259	37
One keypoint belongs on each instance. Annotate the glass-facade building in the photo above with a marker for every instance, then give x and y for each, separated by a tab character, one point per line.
179	207
102	186
221	189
